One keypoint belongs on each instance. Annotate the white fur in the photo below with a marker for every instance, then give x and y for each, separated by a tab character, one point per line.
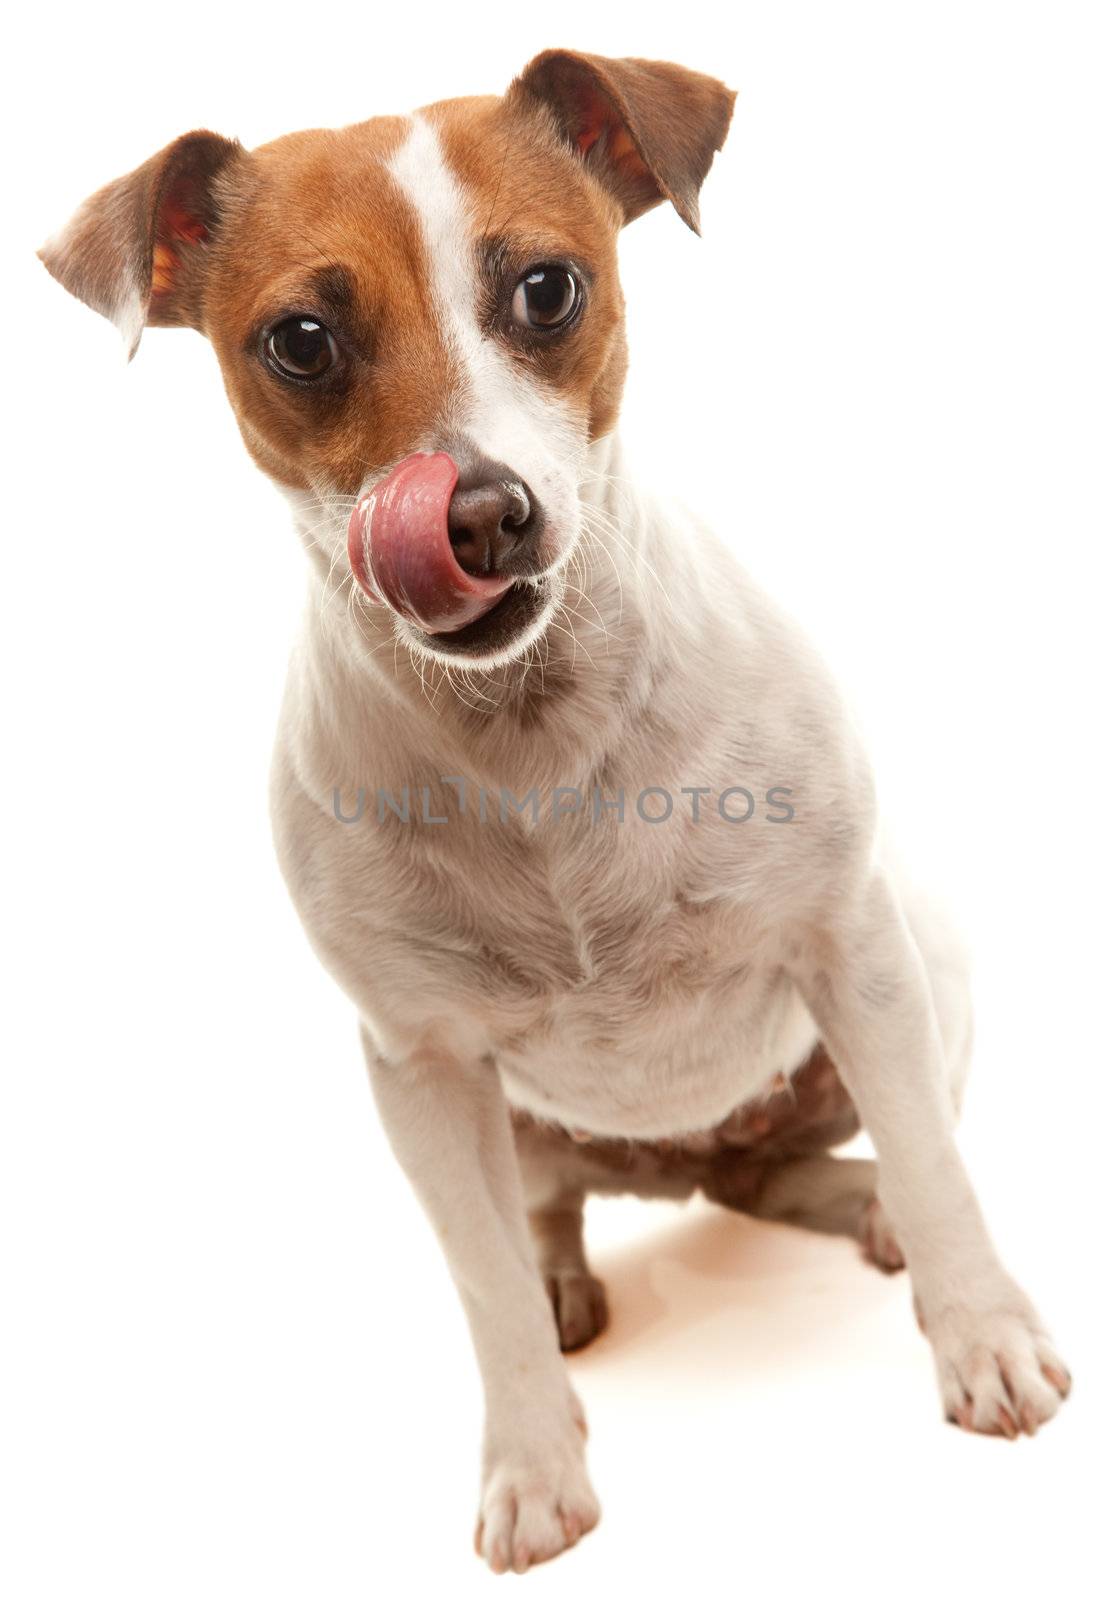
130	316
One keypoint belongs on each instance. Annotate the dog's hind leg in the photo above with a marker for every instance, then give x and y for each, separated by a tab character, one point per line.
579	1301
824	1193
554	1196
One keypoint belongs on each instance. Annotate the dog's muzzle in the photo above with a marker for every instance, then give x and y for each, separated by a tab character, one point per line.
437	550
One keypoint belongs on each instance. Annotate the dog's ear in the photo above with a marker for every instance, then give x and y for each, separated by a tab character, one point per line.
136	250
647	130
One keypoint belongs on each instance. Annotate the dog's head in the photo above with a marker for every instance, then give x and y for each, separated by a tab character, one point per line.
419	320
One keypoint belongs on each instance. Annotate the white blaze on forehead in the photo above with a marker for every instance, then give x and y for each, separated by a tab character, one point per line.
508	416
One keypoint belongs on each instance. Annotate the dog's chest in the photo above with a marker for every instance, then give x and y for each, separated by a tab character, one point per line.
623	992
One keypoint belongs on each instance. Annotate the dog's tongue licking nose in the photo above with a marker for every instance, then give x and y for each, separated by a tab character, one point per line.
400	548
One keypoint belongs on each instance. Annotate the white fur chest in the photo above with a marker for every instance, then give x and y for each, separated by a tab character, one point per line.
672	1005
615	972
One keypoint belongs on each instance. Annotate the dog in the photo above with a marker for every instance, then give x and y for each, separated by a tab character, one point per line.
573	815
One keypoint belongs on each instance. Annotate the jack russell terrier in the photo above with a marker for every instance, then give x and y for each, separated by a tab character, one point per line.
522	738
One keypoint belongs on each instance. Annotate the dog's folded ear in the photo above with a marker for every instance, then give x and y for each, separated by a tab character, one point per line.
136	250
647	130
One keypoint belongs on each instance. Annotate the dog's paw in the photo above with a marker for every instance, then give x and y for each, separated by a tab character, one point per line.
998	1371
579	1304
877	1240
533	1507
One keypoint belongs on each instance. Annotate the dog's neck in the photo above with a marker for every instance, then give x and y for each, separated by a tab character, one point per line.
550	716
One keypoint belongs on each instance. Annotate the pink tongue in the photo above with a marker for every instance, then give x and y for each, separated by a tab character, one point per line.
400	548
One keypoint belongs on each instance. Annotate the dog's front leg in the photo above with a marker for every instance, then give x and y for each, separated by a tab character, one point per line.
867	985
448	1122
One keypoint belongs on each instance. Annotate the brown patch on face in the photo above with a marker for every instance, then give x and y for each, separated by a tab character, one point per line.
317	226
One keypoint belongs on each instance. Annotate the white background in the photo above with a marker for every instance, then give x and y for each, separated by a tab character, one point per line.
233	1364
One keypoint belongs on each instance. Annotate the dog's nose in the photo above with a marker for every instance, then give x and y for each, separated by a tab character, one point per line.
491	515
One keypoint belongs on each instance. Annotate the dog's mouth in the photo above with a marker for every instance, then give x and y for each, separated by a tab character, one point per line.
509	622
401	552
403	555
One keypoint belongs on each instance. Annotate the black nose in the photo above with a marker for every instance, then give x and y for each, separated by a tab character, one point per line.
491	518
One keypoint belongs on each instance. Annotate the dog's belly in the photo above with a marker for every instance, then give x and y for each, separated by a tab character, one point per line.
801	1115
626	1066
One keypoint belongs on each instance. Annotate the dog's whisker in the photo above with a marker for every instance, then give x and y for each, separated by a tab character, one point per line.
565	615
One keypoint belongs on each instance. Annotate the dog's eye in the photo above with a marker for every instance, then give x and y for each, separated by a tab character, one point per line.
300	347
545	298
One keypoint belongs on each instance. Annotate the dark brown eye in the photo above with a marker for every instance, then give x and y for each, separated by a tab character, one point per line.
547	297
300	347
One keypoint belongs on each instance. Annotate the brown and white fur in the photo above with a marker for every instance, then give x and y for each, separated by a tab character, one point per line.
578	1003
